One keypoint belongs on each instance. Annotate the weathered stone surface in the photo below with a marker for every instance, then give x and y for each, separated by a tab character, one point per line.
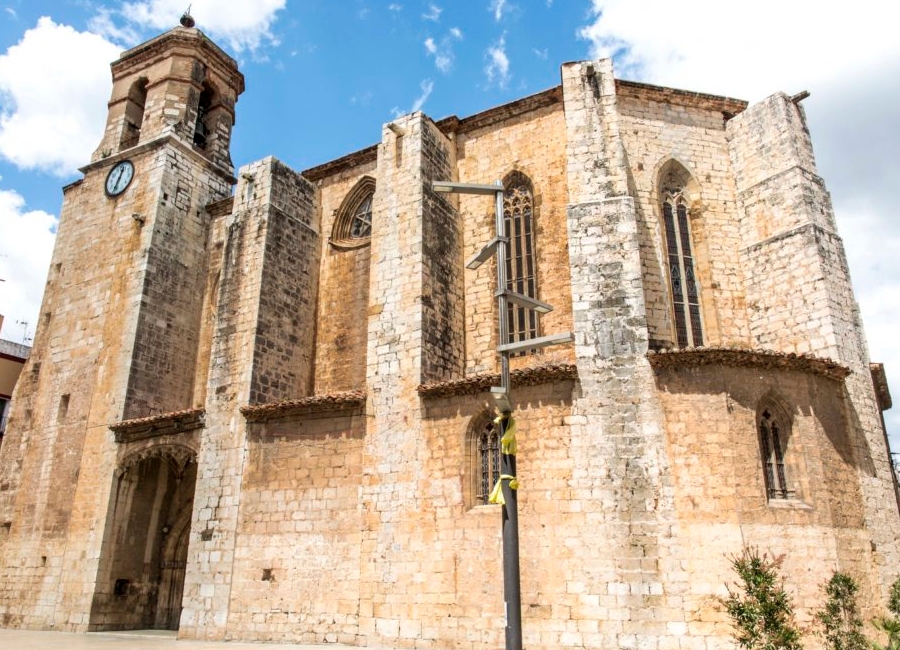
241	420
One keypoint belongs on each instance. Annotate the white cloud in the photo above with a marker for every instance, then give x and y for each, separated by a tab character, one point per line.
498	8
103	24
849	62
242	25
395	7
11	12
426	86
52	107
26	244
541	54
497	68
443	51
434	13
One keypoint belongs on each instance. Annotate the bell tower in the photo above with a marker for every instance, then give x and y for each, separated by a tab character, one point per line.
177	84
118	339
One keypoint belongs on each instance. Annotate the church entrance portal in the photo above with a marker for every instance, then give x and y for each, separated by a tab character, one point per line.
146	551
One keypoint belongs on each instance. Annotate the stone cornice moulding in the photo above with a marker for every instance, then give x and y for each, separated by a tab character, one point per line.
481	383
158	425
345	401
748	358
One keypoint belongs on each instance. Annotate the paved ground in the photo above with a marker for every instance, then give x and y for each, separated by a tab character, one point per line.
138	640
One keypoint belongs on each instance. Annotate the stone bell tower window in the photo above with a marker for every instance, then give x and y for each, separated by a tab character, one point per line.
134	113
203	128
683	279
518	216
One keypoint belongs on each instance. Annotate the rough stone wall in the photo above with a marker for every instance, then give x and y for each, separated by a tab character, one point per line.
392	493
656	130
720	495
162	373
459	589
285	328
83	345
798	287
342	320
297	558
626	575
269	197
534	144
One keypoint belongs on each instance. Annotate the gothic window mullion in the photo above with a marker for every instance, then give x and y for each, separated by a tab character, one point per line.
520	264
685	291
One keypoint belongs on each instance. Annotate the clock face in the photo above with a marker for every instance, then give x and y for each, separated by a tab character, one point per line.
119	177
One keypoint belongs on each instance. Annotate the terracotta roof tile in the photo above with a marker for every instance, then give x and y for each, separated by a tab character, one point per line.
482	383
314	404
745	357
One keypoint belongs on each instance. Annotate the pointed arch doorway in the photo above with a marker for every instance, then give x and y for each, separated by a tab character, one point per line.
142	576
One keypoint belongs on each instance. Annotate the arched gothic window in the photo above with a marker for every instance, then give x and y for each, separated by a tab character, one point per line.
774	433
487	453
518	216
353	220
682	278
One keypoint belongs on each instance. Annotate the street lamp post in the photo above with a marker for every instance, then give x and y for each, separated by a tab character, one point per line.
510	516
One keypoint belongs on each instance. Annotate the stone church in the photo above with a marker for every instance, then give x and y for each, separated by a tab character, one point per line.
259	407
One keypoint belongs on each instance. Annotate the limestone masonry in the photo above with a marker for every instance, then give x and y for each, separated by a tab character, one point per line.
258	403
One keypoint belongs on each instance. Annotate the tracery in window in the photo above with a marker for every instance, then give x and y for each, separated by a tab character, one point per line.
685	290
353	221
774	434
487	449
518	216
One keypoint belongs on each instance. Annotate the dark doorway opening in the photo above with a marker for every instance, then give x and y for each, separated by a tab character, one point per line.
142	572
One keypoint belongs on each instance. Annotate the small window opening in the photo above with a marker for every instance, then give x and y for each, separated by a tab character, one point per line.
202	127
773	442
134	113
63	408
488	455
121	587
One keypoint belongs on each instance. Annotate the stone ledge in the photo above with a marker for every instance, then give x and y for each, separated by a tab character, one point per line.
353	399
158	425
882	392
482	383
747	358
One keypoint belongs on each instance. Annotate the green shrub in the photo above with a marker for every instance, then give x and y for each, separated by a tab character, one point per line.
890	625
759	607
839	618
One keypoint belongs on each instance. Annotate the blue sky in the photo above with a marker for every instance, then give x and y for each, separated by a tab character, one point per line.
322	76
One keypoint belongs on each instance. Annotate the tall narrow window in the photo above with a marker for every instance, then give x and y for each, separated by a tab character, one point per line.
202	127
680	253
773	439
518	215
487	449
134	113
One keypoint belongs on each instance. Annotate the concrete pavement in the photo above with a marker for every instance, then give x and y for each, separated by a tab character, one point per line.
134	640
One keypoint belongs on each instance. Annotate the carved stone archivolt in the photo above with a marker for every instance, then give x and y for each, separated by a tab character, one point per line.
177	456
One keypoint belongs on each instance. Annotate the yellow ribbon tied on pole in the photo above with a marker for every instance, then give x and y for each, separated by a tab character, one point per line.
507	446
